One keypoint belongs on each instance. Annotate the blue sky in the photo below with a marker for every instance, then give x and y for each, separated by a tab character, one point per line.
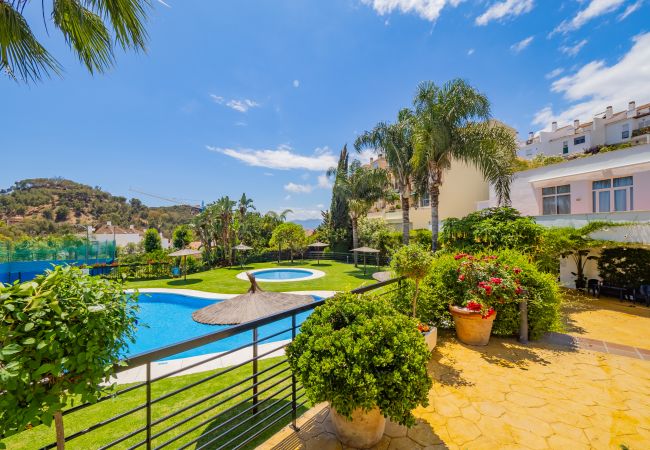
259	96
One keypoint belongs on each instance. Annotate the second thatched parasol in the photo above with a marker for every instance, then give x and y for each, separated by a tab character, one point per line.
254	304
185	253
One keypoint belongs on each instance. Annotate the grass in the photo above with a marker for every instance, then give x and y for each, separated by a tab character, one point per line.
205	424
339	277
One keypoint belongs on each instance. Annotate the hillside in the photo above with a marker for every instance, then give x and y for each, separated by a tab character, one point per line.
42	206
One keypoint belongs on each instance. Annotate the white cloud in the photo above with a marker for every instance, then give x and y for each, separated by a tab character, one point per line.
470	52
217	98
426	9
573	50
554	73
268	174
597	85
504	9
630	9
521	45
365	156
287	197
296	83
242	105
240	124
324	182
594	9
303	213
320	206
298	188
282	158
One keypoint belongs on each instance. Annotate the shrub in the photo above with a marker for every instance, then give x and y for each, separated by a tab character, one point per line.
412	262
621	266
359	352
60	337
441	287
151	241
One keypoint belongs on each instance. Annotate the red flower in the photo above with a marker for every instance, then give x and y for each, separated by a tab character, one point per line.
519	290
517	270
496	281
473	306
461	277
489	313
460	256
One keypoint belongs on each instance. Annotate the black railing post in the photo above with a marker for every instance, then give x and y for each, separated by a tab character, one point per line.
255	370
148	406
523	321
294	408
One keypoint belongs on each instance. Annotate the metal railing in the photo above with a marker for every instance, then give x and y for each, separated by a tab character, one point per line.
226	400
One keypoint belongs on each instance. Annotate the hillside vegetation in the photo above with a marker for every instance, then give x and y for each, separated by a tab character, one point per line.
44	206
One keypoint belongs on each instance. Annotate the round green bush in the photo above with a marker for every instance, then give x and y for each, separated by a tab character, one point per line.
440	289
358	352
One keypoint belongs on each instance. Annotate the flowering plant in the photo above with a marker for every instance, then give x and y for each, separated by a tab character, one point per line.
484	283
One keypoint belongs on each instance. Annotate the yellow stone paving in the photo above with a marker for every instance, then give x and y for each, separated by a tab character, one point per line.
508	395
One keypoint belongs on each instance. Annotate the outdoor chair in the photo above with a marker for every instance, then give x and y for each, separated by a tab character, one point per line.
593	286
642	294
176	272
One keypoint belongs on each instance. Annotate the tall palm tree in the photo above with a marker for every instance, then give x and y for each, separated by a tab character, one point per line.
361	186
244	205
452	123
281	216
224	212
395	142
91	28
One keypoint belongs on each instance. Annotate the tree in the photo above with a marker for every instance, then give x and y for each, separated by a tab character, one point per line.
61	336
281	216
182	236
151	241
91	28
288	235
61	213
452	123
413	262
339	217
224	213
395	142
360	186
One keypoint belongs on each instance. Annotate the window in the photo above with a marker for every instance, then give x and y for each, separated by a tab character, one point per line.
625	131
565	147
616	194
579	140
424	201
556	200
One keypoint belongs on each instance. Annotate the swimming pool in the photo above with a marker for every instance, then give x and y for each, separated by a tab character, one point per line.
283	274
166	318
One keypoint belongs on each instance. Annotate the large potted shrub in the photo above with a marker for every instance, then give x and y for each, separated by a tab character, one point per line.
482	283
61	336
367	360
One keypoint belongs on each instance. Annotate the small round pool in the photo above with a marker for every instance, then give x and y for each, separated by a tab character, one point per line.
166	318
283	274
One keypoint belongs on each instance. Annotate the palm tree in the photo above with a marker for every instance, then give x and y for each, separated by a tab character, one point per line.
395	142
452	123
224	213
360	186
243	206
91	28
280	217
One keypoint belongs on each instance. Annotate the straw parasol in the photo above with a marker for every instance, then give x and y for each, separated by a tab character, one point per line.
320	246
185	253
242	248
254	304
365	251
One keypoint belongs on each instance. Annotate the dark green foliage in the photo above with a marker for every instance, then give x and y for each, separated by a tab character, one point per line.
440	288
340	226
625	266
60	337
182	236
421	237
358	352
151	241
61	213
492	229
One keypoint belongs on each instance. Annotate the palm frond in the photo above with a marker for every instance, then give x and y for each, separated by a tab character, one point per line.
127	18
21	55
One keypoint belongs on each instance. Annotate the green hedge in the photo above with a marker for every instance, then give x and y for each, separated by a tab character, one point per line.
439	289
621	266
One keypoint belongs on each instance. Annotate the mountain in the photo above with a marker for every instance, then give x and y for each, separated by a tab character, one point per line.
42	206
308	224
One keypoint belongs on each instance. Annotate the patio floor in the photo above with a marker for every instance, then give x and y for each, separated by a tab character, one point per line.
541	395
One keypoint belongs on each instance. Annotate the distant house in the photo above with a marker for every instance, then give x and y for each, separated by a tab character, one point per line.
123	236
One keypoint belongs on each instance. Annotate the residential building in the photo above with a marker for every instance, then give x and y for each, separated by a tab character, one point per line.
122	236
606	128
463	186
612	187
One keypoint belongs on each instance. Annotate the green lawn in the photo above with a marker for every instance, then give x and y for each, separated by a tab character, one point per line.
339	277
278	395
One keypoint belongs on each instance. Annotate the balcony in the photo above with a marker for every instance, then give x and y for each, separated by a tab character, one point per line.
580	220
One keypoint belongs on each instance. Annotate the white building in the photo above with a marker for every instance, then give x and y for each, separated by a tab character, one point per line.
606	128
123	236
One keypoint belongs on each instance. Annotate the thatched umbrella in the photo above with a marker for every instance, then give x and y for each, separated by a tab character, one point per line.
185	253
321	246
365	251
254	304
242	248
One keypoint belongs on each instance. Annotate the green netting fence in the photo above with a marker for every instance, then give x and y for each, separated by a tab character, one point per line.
54	250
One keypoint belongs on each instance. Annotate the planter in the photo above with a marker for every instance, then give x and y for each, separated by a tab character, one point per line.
471	327
430	337
365	429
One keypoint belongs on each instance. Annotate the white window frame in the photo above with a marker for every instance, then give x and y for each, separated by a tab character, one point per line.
555	194
625	131
612	190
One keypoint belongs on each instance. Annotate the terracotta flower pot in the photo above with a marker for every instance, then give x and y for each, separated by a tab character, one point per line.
471	327
365	429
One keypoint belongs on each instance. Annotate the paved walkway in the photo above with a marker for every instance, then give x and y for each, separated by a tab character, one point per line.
513	396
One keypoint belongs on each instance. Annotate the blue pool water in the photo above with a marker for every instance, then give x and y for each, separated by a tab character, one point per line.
166	319
282	274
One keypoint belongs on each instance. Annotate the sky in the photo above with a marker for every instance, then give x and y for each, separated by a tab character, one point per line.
260	96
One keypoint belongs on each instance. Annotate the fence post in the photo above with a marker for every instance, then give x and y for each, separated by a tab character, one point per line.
149	406
254	370
294	408
523	321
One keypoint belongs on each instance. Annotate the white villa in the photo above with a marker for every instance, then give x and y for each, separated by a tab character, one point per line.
122	236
